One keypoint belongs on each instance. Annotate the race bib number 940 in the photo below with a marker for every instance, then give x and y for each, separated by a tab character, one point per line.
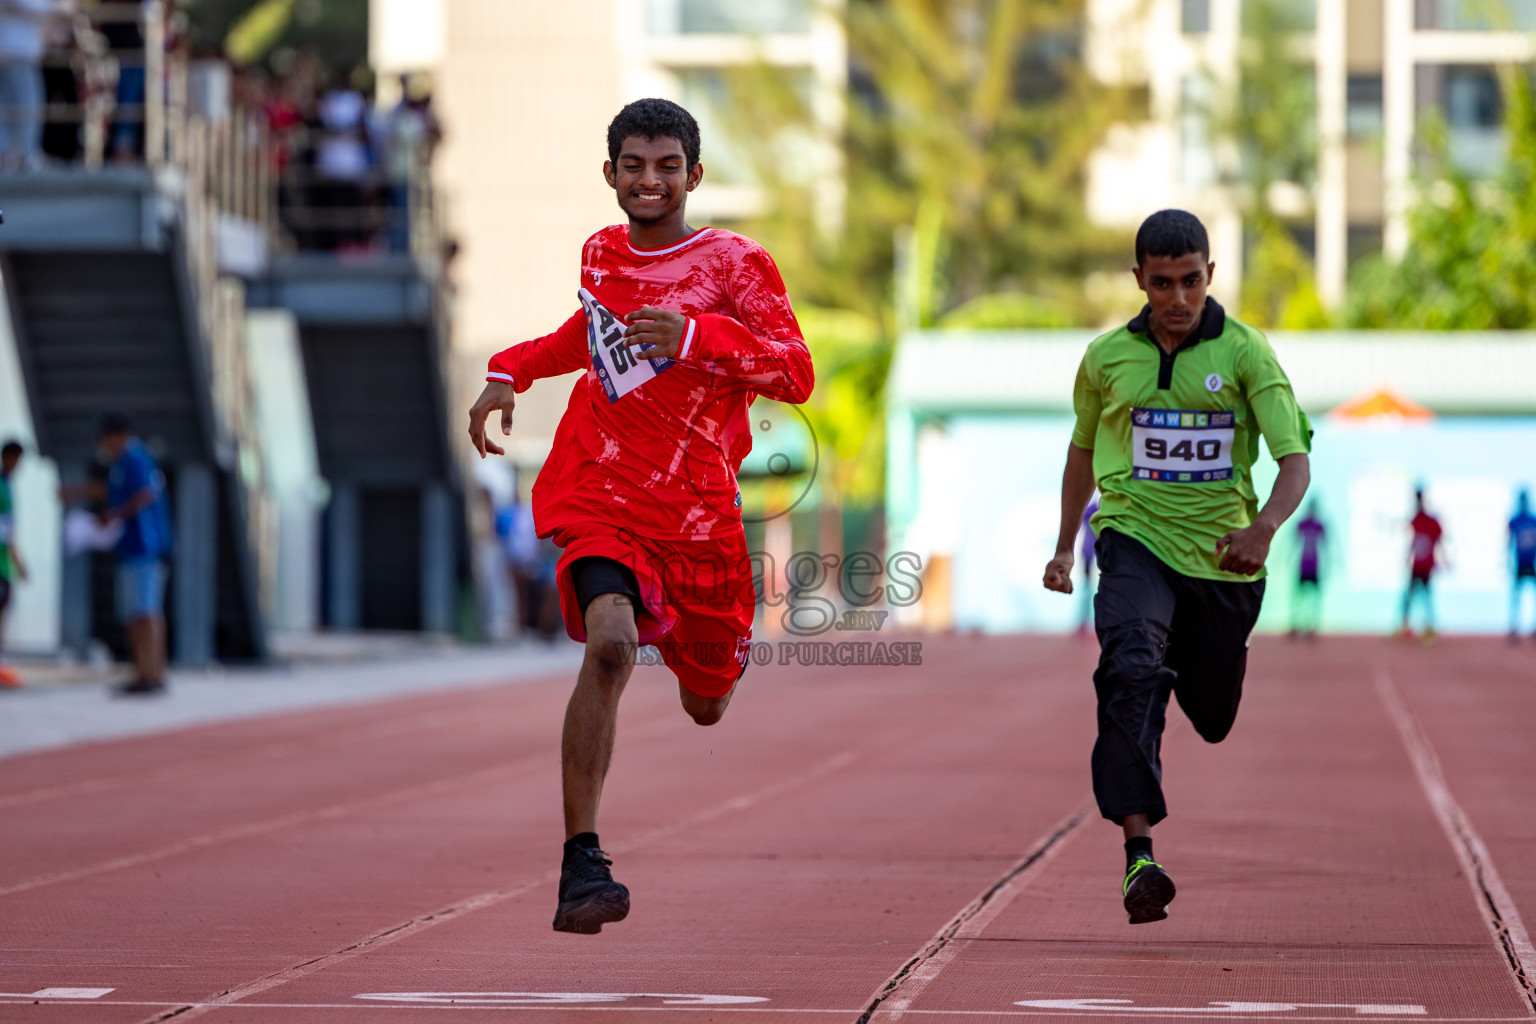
620	368
1181	446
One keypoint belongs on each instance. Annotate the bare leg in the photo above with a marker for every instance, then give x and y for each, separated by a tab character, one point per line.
157	648
704	710
1136	826
141	641
586	745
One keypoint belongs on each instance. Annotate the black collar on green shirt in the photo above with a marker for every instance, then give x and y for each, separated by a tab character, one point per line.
1213	320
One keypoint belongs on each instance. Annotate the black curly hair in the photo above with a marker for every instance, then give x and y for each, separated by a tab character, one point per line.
1171	233
653	119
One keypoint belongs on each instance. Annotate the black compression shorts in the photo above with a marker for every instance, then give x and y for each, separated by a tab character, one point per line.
596	575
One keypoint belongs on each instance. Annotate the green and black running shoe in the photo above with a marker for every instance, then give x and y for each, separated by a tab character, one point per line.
1148	890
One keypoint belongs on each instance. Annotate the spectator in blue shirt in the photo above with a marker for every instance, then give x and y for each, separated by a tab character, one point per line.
135	496
1522	545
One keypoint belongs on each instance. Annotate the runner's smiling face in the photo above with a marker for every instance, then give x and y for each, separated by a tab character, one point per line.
1175	287
652	178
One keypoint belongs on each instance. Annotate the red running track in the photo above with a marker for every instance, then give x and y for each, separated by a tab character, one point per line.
849	844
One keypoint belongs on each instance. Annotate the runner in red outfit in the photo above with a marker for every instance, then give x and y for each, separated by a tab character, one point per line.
679	330
1423	558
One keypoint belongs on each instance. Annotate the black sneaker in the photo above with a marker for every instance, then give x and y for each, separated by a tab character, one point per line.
1148	891
589	897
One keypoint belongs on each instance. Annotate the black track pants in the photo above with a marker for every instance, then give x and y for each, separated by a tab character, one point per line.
1160	633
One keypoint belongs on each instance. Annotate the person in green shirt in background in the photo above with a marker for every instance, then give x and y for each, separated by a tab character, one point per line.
1170	409
11	567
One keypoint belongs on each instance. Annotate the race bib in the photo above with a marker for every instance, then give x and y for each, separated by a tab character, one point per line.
620	368
1181	446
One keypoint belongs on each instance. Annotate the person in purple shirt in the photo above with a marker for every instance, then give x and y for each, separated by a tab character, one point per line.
1522	546
1306	605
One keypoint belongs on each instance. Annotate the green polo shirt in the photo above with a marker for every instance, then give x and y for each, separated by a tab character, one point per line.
1174	436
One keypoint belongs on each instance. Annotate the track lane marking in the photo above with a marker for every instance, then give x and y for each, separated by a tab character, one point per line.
1009	1012
1497	908
462	908
268	751
895	997
494	773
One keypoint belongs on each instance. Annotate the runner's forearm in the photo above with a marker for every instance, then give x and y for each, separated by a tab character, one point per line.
1076	488
562	351
1290	487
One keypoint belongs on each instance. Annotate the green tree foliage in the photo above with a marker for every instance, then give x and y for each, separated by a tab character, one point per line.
968	132
1471	259
1271	125
252	31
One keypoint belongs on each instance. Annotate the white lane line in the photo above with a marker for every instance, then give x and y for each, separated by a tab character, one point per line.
1493	899
256	828
491	774
453	911
894	998
844	1012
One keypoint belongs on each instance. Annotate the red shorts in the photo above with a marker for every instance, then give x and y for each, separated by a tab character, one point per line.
698	599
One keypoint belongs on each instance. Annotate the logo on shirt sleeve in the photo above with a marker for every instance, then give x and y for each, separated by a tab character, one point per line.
621	369
1213	383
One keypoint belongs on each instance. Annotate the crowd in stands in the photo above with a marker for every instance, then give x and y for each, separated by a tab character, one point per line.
348	167
64	63
73	90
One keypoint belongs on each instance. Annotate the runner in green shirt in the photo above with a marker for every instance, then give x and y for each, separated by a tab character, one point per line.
1170	409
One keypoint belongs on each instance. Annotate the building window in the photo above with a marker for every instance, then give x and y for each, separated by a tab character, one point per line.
727	155
1474	117
1197	16
1197	152
1362	111
1477	15
759	17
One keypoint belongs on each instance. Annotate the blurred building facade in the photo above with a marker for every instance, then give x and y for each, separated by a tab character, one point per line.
525	91
1380	67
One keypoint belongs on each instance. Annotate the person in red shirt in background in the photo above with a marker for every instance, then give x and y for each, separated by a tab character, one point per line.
679	330
1423	559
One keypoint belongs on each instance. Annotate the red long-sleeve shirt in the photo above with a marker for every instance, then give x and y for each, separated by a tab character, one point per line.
661	459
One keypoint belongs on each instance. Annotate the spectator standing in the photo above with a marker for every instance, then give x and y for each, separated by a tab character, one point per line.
125	38
410	131
1522	545
343	163
11	567
136	496
1306	604
61	134
1423	560
134	493
22	28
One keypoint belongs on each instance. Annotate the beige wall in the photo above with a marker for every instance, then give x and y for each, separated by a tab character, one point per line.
525	92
